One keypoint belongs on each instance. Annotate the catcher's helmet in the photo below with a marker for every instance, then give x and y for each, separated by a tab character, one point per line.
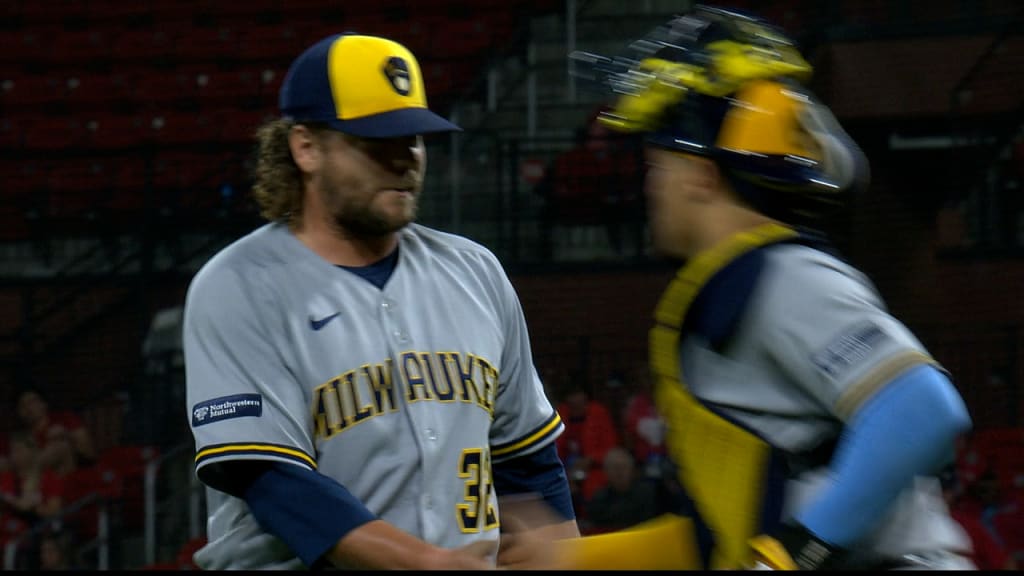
730	86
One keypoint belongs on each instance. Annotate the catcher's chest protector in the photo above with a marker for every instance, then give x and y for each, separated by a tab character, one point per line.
724	468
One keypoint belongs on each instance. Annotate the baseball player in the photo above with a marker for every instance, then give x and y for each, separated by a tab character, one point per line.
360	387
807	425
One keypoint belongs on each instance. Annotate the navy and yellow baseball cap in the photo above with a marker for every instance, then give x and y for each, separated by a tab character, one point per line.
362	85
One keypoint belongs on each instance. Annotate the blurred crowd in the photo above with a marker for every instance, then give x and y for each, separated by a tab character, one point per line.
47	462
613	449
984	488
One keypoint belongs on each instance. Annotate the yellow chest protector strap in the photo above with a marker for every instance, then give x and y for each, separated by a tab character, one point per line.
721	466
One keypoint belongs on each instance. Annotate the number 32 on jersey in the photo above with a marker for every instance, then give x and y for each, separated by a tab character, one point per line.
476	513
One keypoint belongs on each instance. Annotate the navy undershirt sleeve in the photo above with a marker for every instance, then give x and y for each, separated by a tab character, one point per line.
307	510
539	472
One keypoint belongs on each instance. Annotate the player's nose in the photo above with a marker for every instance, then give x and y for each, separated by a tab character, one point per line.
402	155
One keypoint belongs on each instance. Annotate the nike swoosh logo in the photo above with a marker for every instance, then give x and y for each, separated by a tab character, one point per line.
318	324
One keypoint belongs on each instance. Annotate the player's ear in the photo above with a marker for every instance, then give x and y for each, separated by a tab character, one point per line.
305	147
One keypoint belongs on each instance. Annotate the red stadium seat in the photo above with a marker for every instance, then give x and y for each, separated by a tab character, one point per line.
71	48
45	132
156	86
143	44
175	127
271	78
12	133
187	170
22	177
76	175
422	9
165	10
238	125
218	87
207	44
113	131
116	9
272	42
98	90
32	91
25	45
234	10
459	38
129	176
22	187
10	11
314	8
36	13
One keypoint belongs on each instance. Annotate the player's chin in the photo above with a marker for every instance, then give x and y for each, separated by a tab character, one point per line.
397	217
398	208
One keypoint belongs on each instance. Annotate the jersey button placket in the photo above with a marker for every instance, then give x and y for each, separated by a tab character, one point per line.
389	307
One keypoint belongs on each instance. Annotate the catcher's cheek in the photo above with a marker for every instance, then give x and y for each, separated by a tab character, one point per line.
654	183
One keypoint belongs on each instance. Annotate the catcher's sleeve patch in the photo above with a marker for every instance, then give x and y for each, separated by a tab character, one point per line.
849	348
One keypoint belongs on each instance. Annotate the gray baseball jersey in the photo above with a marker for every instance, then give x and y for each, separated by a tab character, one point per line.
405	395
813	344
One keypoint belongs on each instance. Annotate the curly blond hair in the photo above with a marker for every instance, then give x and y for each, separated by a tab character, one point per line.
278	185
278	181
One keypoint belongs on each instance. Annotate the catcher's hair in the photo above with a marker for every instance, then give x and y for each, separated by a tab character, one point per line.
278	181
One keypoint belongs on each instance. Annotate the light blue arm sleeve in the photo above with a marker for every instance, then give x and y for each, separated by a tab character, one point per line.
907	429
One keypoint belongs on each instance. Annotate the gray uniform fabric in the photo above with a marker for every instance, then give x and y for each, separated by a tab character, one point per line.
405	395
818	341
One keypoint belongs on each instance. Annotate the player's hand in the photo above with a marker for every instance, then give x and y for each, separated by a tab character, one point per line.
530	531
475	556
523	548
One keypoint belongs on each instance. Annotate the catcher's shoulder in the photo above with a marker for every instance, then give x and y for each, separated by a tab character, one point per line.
800	269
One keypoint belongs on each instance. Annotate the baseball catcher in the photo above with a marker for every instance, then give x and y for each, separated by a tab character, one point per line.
806	423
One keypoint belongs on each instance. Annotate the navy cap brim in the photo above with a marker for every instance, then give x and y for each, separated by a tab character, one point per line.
404	122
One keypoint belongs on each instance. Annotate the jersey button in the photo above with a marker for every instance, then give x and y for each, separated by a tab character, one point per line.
428	502
385	305
431	435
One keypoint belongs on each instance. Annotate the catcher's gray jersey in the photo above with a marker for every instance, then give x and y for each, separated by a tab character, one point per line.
405	395
816	342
